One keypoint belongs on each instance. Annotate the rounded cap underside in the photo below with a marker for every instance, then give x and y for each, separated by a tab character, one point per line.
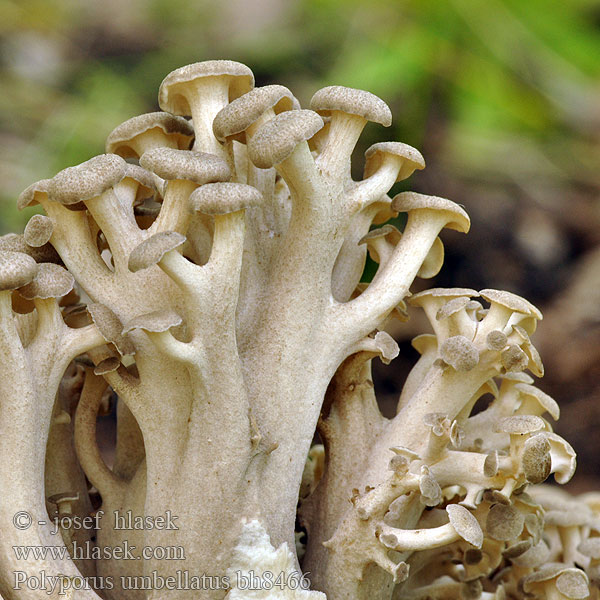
154	322
175	128
175	86
151	251
408	201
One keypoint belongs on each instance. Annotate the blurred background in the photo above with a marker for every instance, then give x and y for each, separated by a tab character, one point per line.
501	96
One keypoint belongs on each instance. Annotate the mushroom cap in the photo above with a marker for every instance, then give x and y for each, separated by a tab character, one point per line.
224	198
465	524
108	365
145	180
496	340
110	327
277	139
590	547
353	102
433	261
15	242
38	231
546	402
374	156
177	128
189	165
536	555
451	307
511	301
382	232
514	359
519	425
571	582
29	196
536	460
51	281
16	270
504	522
459	353
407	201
172	94
424	342
154	322
238	115
423	297
87	180
151	250
388	348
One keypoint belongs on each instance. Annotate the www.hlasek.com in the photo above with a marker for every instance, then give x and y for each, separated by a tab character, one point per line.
181	580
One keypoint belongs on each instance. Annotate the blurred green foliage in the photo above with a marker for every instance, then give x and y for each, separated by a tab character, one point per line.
484	88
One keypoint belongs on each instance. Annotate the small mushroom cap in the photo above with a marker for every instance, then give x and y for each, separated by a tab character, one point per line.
110	327
375	155
154	322
424	342
145	180
590	548
490	465
388	348
189	165
382	232
504	522
87	180
459	353
407	201
151	251
423	297
465	524
451	307
571	582
277	139
514	359
30	195
536	461
238	115
519	425
38	231
546	402
51	281
433	261
224	198
172	94
13	242
16	270
511	301
64	497
177	128
496	340
108	365
353	102
536	555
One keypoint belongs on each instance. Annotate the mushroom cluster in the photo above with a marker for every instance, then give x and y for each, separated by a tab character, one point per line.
202	282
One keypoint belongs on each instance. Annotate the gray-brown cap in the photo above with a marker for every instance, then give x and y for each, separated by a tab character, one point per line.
188	165
504	522
224	198
38	231
108	365
412	159
536	460
238	115
143	179
572	583
459	353
278	138
150	251
110	327
15	242
465	524
51	281
177	131
351	101
30	196
408	201
511	301
175	87
154	322
87	180
16	270
519	425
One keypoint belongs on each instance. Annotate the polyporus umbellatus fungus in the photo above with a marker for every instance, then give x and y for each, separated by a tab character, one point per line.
217	268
